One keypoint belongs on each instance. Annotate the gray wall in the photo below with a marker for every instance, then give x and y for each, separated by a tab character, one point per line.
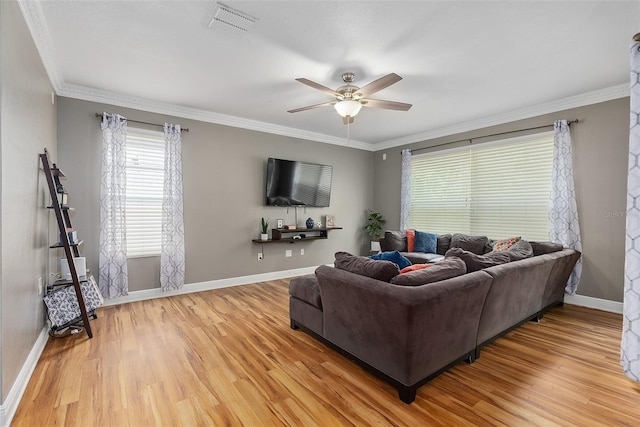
27	126
600	155
224	180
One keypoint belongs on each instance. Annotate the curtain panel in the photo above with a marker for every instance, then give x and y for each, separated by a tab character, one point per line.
563	212
113	276
630	344
405	190
172	258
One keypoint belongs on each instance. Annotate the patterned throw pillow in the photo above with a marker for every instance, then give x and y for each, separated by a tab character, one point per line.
505	244
411	240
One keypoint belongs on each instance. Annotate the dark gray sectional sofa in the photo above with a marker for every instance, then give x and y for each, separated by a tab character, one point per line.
407	335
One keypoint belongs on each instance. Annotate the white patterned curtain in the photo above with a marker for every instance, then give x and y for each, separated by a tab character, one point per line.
563	212
630	345
113	279
172	253
405	190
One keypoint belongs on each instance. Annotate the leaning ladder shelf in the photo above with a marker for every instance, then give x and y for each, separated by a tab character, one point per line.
53	175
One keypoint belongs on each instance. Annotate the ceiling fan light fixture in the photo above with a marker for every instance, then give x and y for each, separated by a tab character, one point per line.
348	108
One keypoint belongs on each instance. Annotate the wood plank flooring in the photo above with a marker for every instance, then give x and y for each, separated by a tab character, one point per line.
228	357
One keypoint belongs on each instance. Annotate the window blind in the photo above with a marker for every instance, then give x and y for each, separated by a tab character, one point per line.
498	189
145	182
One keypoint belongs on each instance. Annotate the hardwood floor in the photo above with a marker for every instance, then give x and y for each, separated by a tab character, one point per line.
228	357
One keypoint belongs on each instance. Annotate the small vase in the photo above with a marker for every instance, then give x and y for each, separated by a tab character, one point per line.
309	223
264	236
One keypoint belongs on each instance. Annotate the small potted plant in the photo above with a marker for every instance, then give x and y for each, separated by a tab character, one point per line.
264	229
375	221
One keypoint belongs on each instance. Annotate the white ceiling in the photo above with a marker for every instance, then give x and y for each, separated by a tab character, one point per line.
465	64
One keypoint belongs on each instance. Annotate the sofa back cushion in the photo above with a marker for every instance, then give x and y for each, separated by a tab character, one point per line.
393	241
520	250
475	244
478	262
444	242
541	248
445	269
375	269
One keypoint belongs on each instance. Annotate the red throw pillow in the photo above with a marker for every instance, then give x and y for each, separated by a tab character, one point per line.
411	240
414	267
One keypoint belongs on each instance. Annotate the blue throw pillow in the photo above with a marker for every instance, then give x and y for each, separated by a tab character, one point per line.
395	257
426	242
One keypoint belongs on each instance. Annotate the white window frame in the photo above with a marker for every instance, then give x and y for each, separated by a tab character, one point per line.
452	192
145	182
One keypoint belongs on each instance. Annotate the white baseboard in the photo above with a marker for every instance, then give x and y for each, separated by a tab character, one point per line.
597	303
209	285
10	405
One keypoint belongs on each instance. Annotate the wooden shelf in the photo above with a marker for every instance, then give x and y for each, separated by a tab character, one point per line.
61	245
282	235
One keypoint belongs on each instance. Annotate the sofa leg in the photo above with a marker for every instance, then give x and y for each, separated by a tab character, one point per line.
407	394
293	324
471	357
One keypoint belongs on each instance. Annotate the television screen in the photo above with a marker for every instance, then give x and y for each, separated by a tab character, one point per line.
292	183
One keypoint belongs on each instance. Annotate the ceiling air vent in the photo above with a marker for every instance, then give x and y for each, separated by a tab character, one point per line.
228	20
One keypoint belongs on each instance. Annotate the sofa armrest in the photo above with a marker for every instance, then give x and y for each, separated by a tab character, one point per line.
408	333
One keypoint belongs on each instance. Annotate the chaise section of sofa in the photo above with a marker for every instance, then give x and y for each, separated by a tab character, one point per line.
409	334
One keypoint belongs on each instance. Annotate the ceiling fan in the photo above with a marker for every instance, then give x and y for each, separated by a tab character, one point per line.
350	98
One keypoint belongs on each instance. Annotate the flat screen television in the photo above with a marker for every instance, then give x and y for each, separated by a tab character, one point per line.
292	183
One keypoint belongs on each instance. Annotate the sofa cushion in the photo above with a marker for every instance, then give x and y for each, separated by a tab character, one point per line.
393	256
520	250
394	241
476	262
375	269
475	244
422	257
305	288
504	244
445	269
411	240
541	248
425	242
444	242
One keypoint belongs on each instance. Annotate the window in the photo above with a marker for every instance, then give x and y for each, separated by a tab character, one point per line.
498	189
145	182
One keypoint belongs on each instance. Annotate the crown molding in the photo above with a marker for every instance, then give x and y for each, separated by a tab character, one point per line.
594	97
37	24
120	100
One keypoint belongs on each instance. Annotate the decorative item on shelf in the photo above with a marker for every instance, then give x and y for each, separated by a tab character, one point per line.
329	221
264	229
280	223
309	222
375	221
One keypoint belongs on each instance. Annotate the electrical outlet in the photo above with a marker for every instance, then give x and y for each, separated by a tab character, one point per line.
39	285
288	253
260	256
302	251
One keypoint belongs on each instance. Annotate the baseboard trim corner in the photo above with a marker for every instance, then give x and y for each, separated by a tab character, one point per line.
10	405
597	303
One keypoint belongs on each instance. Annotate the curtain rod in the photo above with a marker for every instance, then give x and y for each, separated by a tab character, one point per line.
144	123
490	135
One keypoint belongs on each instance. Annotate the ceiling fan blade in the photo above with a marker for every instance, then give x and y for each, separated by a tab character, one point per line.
309	107
379	84
318	86
388	105
347	120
